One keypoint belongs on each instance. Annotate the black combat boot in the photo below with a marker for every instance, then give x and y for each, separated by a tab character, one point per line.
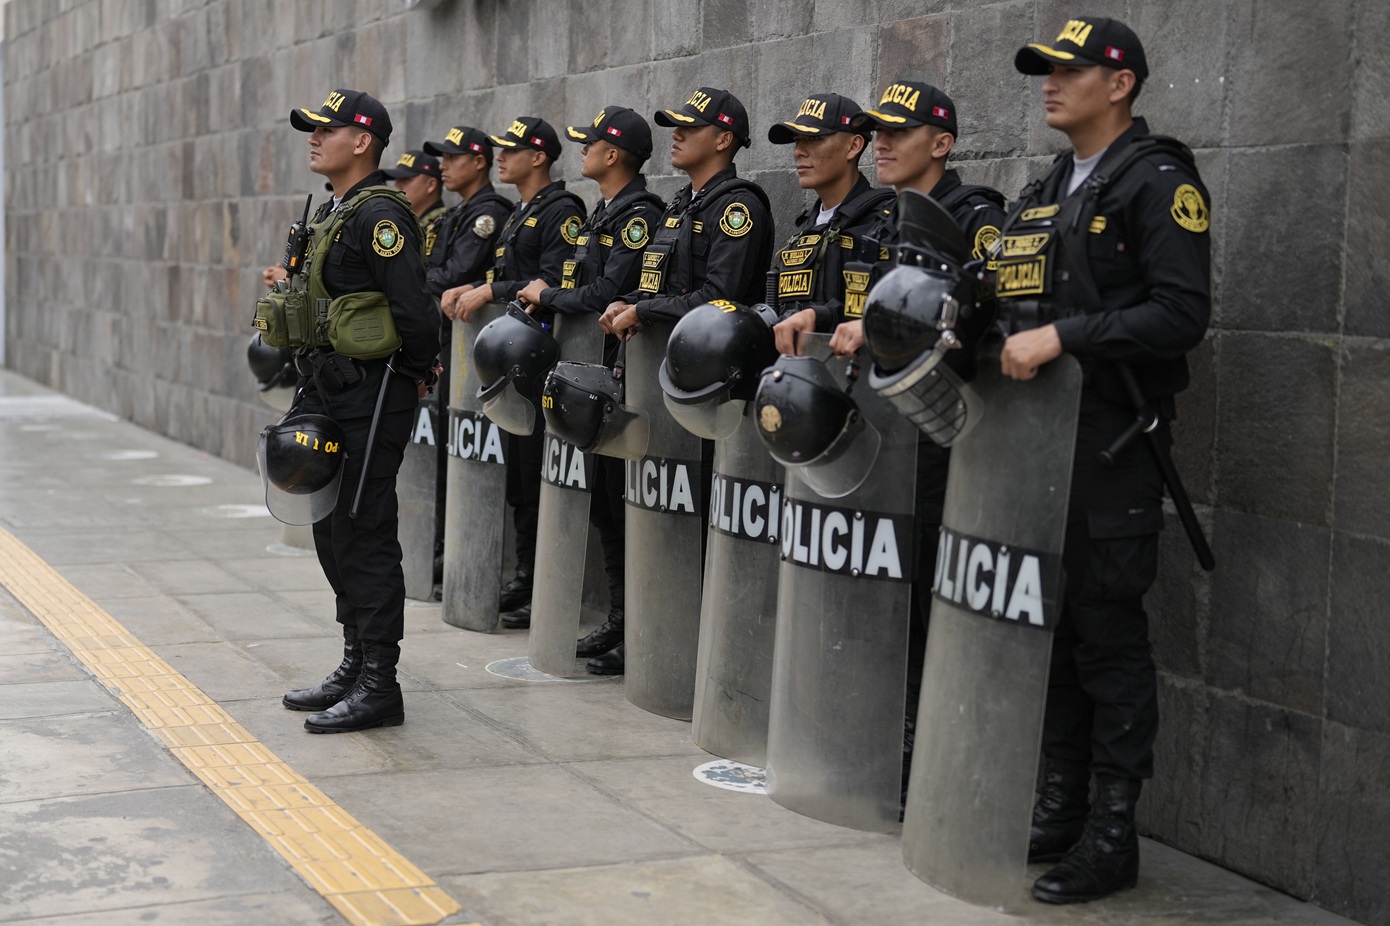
603	638
1106	859
375	701
515	593
519	619
338	683
610	663
1059	816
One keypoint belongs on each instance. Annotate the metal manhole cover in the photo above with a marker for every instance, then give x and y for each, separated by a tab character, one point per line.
732	776
519	667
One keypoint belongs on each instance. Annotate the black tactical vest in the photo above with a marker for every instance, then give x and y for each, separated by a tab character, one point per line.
668	267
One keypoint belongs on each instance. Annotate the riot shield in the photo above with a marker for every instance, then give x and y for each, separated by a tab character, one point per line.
476	510
562	528
995	598
839	672
738	605
415	489
665	498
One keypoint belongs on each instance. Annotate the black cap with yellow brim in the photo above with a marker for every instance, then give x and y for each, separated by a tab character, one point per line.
907	104
821	114
1087	42
346	107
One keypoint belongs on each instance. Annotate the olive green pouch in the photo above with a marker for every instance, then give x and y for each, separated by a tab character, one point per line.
284	319
360	326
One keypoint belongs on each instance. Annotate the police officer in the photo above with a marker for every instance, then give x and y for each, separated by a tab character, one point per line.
715	237
468	232
607	260
416	174
1116	272
817	285
915	128
365	240
464	238
539	235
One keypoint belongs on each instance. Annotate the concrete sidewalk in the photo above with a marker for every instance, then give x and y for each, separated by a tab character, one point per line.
552	802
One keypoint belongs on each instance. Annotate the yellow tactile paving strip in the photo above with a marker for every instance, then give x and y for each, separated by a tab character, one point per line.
370	883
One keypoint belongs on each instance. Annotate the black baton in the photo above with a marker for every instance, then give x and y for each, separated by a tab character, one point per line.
371	441
1146	423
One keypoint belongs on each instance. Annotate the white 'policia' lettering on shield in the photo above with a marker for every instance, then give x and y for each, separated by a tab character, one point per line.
424	427
997	580
744	508
473	436
848	541
565	465
659	484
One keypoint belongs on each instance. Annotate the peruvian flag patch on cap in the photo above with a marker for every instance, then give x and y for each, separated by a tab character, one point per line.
362	120
844	120
536	141
941	112
1114	54
725	118
614	131
474	146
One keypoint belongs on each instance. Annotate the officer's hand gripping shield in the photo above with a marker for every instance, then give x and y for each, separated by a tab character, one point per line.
924	321
716	353
512	355
815	428
301	463
583	406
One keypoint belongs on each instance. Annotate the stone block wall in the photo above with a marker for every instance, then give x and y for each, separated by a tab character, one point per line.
150	174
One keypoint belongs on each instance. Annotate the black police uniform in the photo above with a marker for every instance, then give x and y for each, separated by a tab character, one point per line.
361	557
466	237
534	243
606	262
710	244
429	224
824	267
1130	285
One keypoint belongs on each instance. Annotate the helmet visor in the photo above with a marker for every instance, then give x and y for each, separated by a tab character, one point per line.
510	410
624	434
713	419
294	506
846	463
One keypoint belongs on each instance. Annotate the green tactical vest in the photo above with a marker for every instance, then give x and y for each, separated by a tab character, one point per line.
301	315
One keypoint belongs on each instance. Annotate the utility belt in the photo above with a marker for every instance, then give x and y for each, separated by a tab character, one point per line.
331	372
356	325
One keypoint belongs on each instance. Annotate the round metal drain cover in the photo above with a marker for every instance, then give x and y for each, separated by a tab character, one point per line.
519	667
732	776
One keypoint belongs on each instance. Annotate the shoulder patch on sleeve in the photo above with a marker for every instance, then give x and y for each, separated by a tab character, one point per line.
635	234
387	239
736	220
1189	209
984	241
569	230
484	226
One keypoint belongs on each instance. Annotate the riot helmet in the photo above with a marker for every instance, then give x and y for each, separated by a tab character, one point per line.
512	355
301	463
274	370
583	406
713	359
814	427
923	322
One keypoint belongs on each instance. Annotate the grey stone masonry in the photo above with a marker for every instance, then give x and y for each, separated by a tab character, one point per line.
150	174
